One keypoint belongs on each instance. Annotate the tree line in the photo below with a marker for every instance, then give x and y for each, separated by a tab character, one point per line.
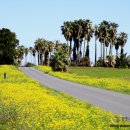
78	34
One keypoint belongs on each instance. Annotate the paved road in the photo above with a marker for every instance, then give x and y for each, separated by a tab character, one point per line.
111	101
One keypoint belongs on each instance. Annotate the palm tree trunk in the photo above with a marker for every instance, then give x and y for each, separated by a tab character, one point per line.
101	50
116	52
84	52
80	52
39	58
106	52
95	53
110	50
87	49
70	49
50	59
122	50
84	49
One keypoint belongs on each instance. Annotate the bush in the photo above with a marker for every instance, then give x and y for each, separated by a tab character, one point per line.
73	63
84	62
29	65
100	63
59	62
122	62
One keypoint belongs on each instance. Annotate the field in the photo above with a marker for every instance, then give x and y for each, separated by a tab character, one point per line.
27	105
106	78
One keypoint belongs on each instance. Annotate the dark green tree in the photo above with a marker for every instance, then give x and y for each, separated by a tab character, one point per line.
8	44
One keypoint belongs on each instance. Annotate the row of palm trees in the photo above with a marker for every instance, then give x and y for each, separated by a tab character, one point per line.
81	31
78	34
44	49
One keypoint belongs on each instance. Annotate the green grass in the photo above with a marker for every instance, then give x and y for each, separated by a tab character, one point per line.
98	72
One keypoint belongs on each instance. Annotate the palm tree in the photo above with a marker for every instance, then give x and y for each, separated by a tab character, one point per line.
34	54
50	49
96	37
103	37
30	50
88	33
117	46
57	46
20	52
38	47
26	53
67	31
112	36
122	40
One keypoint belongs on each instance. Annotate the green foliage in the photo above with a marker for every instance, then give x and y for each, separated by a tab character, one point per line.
84	62
59	62
73	63
122	62
99	62
29	64
8	43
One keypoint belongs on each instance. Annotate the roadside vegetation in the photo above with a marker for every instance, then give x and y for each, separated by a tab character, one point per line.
107	78
25	104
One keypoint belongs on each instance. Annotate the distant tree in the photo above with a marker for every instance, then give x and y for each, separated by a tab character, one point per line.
38	47
31	53
26	53
8	44
20	52
96	33
34	55
122	40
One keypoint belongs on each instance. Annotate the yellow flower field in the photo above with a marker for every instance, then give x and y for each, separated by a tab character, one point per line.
114	84
27	105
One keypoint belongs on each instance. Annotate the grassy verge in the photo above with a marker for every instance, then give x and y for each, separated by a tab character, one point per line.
111	79
25	104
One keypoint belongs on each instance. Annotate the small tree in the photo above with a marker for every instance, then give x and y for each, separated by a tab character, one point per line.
59	62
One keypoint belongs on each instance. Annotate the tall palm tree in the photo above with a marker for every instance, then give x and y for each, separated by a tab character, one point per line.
122	40
67	31
50	49
112	35
88	33
117	46
103	36
38	47
96	33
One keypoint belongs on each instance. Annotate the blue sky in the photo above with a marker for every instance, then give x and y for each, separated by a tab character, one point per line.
31	19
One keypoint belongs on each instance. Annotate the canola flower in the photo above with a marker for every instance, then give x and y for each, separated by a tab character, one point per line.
114	84
27	105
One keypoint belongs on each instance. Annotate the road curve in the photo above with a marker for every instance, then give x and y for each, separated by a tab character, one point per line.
105	99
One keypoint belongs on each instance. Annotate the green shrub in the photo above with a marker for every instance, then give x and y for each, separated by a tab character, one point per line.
29	65
59	62
121	61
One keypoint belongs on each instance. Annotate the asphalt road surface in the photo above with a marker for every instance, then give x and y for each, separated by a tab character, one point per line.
105	99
